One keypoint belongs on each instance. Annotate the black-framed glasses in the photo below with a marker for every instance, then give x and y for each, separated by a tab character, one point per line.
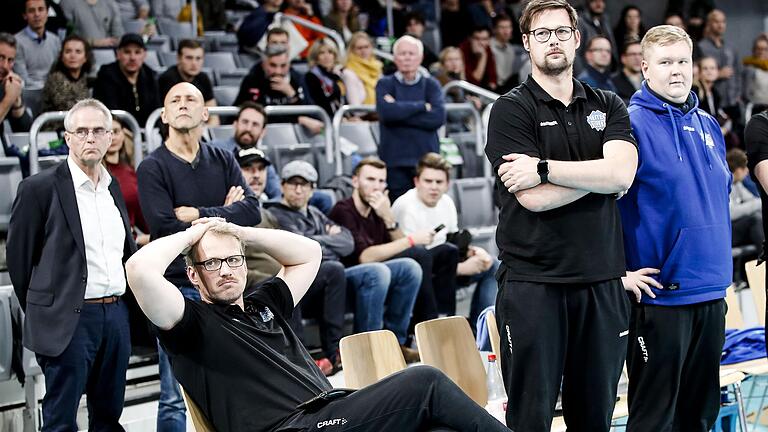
543	34
82	133
214	264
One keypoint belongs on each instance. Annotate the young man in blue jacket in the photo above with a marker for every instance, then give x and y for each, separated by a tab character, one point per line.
677	239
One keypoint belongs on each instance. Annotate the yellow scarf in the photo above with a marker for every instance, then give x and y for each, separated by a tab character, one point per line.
369	72
756	62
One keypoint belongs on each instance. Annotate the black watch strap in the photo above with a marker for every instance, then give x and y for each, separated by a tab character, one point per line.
543	169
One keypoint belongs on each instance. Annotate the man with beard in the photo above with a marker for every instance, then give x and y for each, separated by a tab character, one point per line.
11	105
562	151
628	79
180	182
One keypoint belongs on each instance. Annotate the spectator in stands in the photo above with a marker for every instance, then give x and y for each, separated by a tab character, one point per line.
12	106
597	71
704	87
256	24
276	83
411	110
67	243
756	75
426	207
362	70
479	62
481	13
303	9
36	48
745	208
326	297
630	27
167	9
378	238
263	356
133	9
663	215
190	58
119	162
511	60
593	21
343	18
453	23
548	268
675	19
98	21
180	182
414	26
323	82
451	69
628	79
713	44
67	81
129	84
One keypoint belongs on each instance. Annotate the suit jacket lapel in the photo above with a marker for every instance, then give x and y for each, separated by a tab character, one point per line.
66	192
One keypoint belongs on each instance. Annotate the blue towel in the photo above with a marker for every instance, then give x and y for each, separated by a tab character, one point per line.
743	345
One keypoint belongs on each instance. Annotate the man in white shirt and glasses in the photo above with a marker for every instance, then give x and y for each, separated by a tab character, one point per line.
68	238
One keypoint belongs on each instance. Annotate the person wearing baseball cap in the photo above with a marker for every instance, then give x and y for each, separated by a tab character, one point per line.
129	84
253	164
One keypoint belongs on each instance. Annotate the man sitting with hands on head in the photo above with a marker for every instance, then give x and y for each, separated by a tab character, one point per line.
241	363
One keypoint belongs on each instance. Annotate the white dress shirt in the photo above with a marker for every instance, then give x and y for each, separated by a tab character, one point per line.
103	233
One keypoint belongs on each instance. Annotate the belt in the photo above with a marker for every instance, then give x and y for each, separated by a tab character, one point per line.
105	300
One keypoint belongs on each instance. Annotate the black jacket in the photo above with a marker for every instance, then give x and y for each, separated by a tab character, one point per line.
116	92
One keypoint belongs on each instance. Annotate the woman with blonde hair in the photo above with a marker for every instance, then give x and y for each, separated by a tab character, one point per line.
323	82
343	18
362	70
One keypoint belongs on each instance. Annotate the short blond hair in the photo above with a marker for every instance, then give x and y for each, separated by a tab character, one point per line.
319	44
664	35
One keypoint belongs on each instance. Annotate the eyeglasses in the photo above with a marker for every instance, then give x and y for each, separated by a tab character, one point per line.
542	35
214	264
82	133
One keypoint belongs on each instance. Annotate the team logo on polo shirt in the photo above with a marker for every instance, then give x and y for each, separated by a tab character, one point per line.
596	120
266	314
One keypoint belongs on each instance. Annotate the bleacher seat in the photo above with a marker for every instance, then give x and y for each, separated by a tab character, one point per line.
168	58
283	144
134	26
10	177
221	132
247	60
225	95
360	133
32	98
175	29
220	61
6	332
475	202
21	139
50	161
153	61
160	43
376	131
232	77
102	56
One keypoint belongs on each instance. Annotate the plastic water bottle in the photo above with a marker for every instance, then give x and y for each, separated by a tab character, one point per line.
497	397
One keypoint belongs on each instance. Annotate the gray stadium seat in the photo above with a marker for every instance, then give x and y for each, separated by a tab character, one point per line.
220	61
376	132
153	61
168	58
475	202
283	144
175	29
6	332
225	95
221	132
10	177
102	56
51	161
32	98
21	139
360	133
232	77
247	60
211	75
160	43
134	26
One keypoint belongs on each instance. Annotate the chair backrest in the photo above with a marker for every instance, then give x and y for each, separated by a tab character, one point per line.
733	318
134	26
102	56
198	419
756	280
225	95
493	334
448	344
175	29
370	356
475	206
160	43
360	133
32	99
10	177
230	77
153	61
220	61
168	58
221	132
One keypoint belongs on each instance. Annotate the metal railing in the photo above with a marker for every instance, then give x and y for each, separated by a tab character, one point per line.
337	119
333	34
42	119
271	110
470	88
470	108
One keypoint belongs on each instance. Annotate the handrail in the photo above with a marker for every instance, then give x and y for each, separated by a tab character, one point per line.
337	118
34	162
468	107
471	88
486	121
383	54
270	110
279	17
390	19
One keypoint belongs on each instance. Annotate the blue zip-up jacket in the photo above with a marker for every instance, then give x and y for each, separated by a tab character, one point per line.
675	216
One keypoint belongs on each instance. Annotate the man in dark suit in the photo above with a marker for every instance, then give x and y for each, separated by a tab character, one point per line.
68	239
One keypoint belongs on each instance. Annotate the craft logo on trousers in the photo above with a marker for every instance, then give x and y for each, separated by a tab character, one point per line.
332	422
643	348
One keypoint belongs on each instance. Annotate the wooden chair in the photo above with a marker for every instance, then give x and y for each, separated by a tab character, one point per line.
198	419
756	280
733	319
370	356
493	334
448	344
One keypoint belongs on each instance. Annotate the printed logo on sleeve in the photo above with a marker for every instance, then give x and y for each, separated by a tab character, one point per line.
596	120
548	123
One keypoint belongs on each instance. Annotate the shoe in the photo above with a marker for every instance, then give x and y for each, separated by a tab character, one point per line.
325	366
411	355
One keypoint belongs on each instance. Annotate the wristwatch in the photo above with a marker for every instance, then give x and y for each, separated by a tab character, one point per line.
393	227
543	169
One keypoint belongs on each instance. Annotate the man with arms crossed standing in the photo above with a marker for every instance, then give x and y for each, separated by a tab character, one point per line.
562	151
676	219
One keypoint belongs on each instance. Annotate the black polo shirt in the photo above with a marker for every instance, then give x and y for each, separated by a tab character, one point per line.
756	139
246	370
577	243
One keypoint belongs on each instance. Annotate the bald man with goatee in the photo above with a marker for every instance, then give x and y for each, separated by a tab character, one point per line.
180	182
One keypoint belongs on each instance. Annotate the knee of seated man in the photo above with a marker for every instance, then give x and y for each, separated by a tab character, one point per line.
423	375
333	267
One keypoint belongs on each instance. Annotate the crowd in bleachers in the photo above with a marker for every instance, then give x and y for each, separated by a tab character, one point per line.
121	53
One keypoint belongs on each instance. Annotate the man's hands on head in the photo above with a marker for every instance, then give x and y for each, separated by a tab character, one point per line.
520	172
639	282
